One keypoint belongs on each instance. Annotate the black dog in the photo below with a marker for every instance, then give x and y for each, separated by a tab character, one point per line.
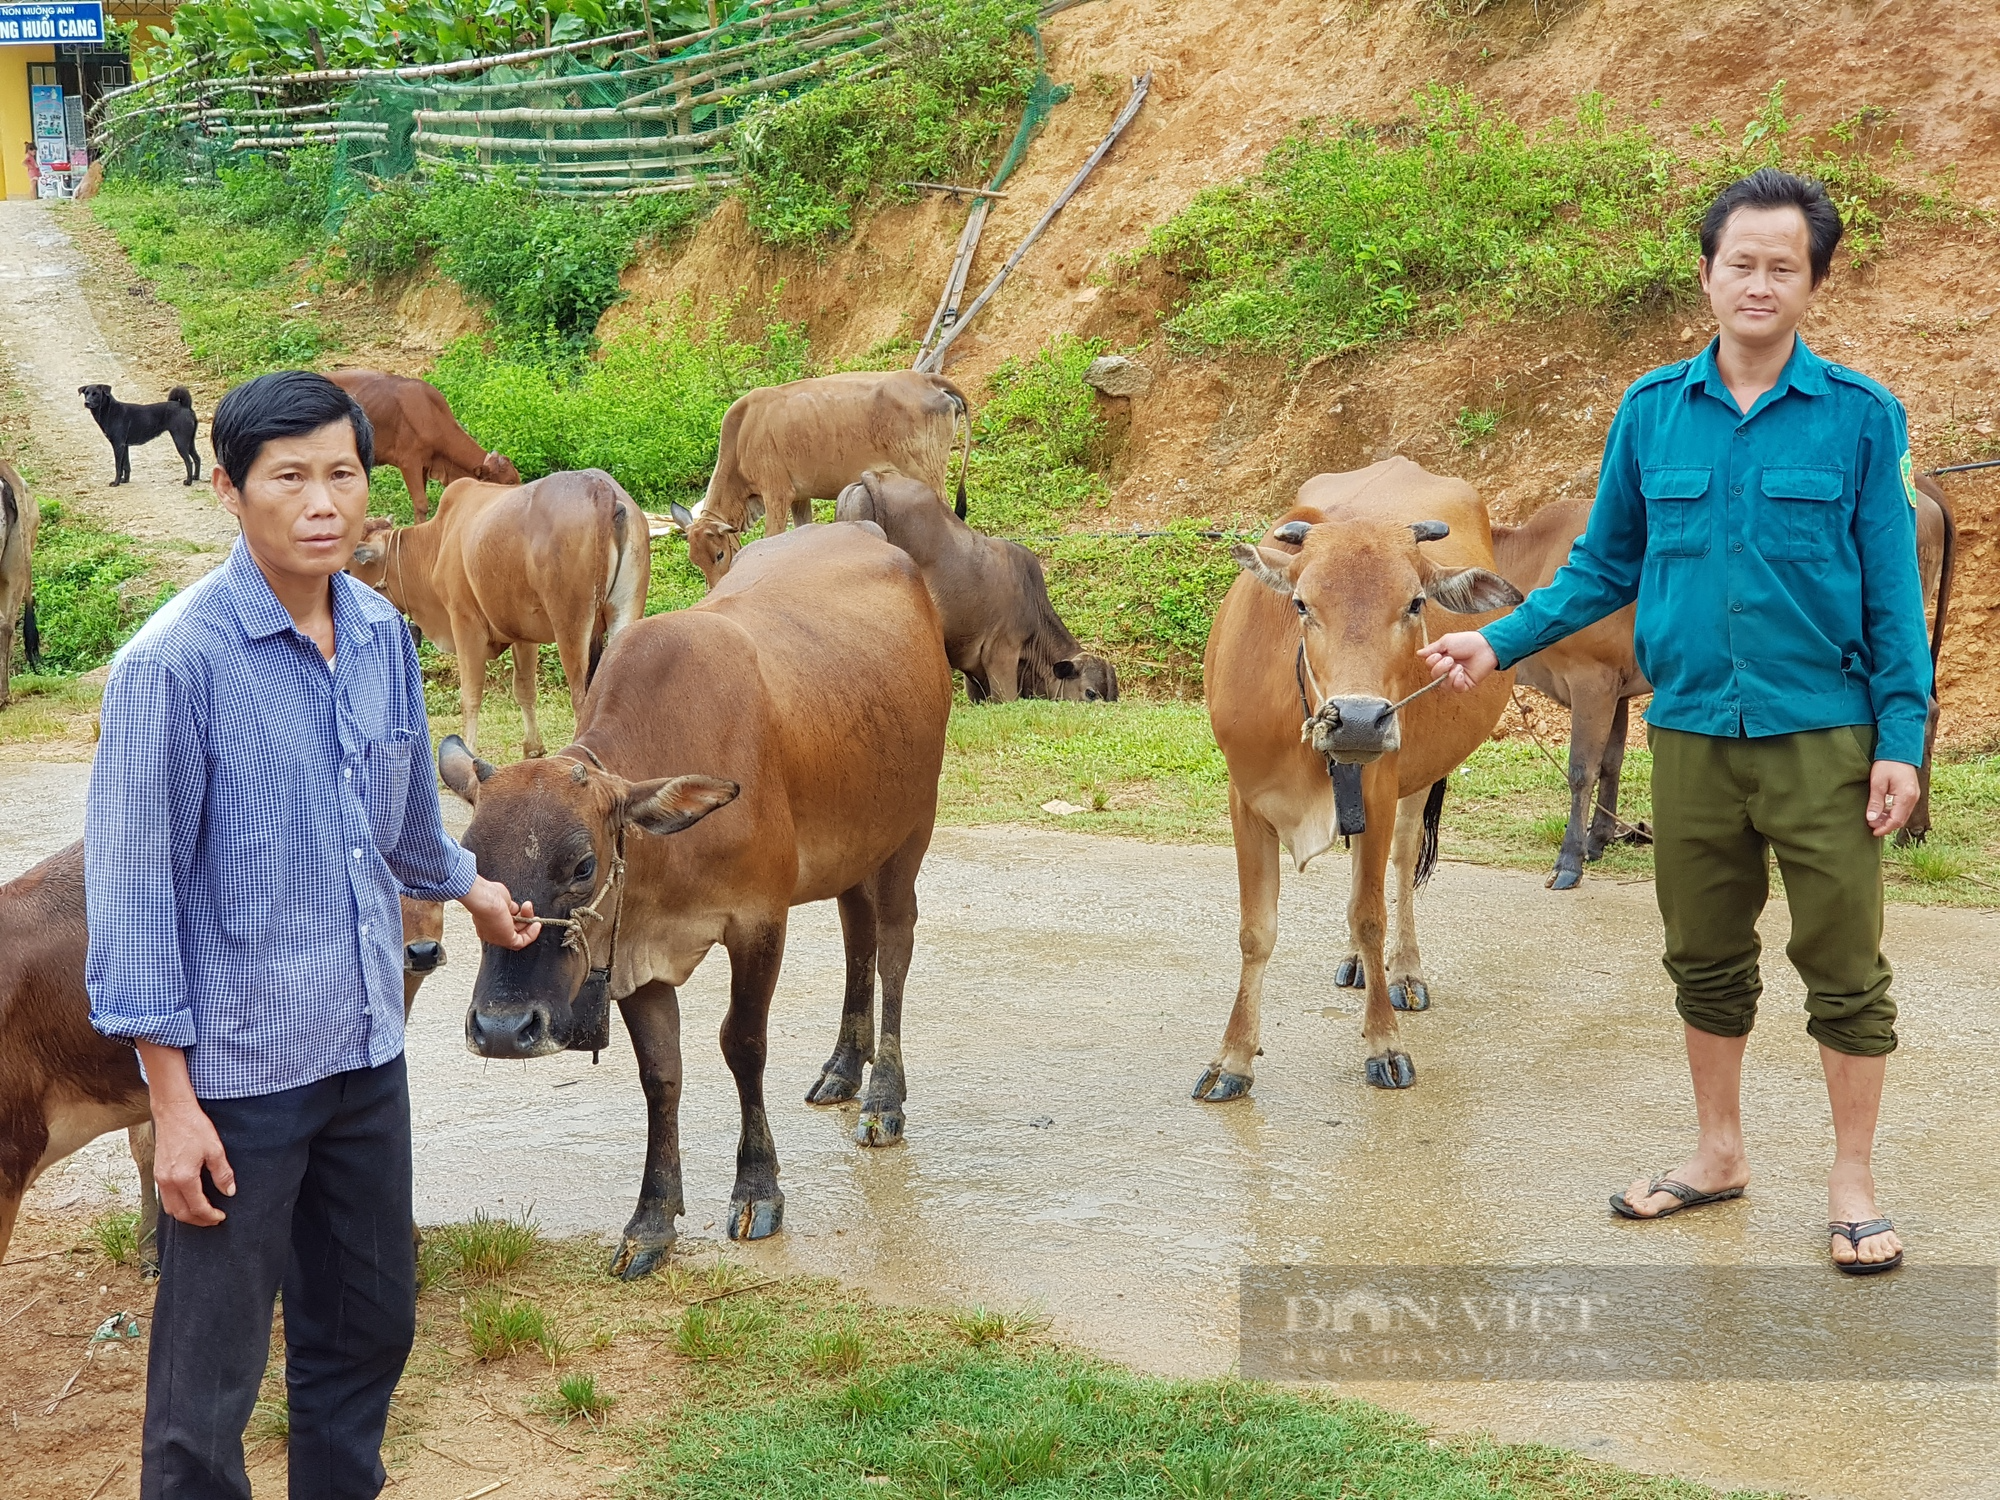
128	426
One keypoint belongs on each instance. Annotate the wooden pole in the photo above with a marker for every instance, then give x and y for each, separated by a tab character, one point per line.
652	41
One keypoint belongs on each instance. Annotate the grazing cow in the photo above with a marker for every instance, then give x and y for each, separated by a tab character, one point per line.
999	628
61	1084
793	723
785	446
19	519
1594	673
565	559
1325	625
416	434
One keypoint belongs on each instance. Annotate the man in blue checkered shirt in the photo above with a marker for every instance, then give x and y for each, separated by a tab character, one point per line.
261	791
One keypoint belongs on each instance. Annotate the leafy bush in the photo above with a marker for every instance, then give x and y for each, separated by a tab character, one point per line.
647	408
1038	439
941	112
91	591
1353	234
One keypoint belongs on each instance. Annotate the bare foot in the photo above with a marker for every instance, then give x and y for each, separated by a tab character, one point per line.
1705	1172
1850	1199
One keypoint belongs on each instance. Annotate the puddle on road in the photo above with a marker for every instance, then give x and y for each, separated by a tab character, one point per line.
1067	991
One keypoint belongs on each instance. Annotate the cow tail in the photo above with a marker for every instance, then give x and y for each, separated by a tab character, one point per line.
961	412
31	635
623	602
1944	590
1427	852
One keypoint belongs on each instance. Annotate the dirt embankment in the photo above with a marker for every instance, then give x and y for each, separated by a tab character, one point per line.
1237	435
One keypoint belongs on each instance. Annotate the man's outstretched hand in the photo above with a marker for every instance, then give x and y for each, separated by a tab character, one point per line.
1892	796
497	917
1464	656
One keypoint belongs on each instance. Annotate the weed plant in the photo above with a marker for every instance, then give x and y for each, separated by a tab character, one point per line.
270	1421
497	1326
942	112
115	1233
578	1395
1354	234
481	1249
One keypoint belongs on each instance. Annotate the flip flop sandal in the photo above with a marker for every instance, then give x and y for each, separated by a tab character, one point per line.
1690	1197
1854	1231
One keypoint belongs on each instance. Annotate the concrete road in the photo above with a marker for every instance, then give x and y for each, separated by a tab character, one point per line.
1067	991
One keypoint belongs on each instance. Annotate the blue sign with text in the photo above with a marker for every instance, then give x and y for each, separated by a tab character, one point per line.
51	21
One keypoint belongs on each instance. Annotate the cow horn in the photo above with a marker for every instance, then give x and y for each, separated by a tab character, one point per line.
1293	533
1429	531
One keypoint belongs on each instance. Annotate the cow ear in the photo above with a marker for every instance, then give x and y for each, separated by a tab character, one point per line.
1272	569
1067	668
683	517
669	805
460	769
1471	591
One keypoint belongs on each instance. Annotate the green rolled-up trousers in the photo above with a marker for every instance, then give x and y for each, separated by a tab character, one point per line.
1721	808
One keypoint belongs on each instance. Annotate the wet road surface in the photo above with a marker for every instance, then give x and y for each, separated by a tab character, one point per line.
1068	989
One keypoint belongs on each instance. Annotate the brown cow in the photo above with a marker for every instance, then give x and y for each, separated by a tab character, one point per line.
814	680
416	433
564	559
61	1084
19	519
1325	625
999	628
784	446
1594	673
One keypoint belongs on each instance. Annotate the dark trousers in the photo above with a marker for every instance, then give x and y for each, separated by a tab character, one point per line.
322	1209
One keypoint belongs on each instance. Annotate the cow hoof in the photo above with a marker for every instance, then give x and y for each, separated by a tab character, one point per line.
879	1128
756	1221
834	1087
1563	878
1410	994
1350	975
1219	1087
634	1261
1392	1070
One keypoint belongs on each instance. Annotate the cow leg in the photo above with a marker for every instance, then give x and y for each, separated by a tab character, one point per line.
1388	1066
140	1139
653	1019
420	495
881	1122
1918	828
854	1047
802	512
1407	987
756	1207
472	661
526	662
1229	1076
1604	818
1592	703
1003	672
573	650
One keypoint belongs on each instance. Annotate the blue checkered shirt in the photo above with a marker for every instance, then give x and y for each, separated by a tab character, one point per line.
251	815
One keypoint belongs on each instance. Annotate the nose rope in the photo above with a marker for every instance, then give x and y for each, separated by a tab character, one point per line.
1303	671
571	926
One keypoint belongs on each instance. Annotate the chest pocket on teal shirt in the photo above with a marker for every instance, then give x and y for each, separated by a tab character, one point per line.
1801	513
1677	519
388	771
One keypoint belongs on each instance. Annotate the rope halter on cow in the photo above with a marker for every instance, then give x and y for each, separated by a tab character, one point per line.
592	1004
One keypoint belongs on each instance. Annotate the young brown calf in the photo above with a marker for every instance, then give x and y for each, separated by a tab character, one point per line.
416	434
61	1084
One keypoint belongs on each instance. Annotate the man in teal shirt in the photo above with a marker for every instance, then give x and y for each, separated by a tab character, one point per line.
1759	504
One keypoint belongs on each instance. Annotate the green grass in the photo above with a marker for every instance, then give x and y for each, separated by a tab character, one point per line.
498	1326
115	1233
270	1422
1355	233
481	1249
837	1351
93	588
578	1395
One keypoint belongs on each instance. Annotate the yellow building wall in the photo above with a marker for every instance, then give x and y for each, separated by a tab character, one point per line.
17	126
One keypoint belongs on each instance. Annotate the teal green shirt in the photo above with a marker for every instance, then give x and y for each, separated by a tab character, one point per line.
1773	555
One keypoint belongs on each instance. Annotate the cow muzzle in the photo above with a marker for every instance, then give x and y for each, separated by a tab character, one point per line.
1354	731
515	1031
424	956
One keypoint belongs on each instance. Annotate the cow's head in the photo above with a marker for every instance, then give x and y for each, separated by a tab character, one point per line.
423	946
371	557
550	831
497	468
1359	590
1086	678
712	543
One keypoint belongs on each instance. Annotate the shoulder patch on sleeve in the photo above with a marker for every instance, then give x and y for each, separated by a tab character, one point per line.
1910	479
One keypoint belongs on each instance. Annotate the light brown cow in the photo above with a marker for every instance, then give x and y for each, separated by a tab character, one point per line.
564	559
784	446
793	723
416	434
61	1084
19	519
1000	629
1324	626
1595	674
